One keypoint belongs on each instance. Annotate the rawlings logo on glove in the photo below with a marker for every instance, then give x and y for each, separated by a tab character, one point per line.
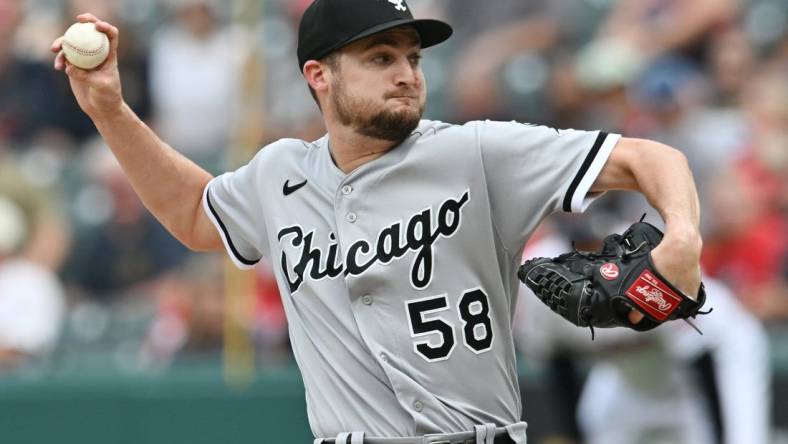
599	289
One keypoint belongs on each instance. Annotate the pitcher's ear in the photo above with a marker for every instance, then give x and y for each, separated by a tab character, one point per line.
316	75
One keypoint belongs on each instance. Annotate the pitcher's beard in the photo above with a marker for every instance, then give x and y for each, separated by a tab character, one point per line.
358	114
394	126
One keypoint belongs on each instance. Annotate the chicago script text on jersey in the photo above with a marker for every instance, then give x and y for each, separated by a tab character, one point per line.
419	236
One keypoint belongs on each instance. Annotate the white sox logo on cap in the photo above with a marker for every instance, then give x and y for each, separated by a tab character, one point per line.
399	5
328	25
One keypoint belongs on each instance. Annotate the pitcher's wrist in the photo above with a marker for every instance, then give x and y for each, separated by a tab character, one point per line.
108	114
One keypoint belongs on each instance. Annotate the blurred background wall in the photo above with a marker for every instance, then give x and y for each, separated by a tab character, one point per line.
110	331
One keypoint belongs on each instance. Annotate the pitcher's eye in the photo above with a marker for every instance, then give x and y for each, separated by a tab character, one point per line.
381	59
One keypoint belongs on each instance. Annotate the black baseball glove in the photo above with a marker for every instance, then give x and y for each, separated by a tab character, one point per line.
598	289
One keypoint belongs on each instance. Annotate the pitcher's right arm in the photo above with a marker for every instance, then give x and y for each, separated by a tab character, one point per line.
169	184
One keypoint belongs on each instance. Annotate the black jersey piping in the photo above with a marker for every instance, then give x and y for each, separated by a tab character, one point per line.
600	139
235	252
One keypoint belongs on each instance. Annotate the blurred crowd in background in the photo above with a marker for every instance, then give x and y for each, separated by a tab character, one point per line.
88	277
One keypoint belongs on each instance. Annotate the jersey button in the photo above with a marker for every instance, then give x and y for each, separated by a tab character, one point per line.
418	406
351	217
383	357
367	299
347	189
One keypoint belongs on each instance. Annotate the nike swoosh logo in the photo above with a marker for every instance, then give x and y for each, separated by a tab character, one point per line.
288	190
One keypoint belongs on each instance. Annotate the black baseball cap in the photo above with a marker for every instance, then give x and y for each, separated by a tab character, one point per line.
328	25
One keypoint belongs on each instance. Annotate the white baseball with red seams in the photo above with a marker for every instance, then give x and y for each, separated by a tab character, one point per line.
84	46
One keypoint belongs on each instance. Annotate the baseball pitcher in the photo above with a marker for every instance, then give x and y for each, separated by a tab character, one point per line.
396	239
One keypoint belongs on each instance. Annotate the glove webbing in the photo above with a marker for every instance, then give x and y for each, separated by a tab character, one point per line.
553	290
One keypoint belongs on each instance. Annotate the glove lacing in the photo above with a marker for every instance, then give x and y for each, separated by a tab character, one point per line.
695	316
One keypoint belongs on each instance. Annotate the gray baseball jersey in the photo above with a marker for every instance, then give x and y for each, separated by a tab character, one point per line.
399	278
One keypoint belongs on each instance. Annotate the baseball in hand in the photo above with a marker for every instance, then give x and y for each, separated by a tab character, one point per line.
84	46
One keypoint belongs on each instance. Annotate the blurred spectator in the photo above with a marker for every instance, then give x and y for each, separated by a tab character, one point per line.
290	110
647	38
192	315
748	238
747	246
125	248
270	324
31	104
765	157
731	63
195	71
653	28
488	38
33	241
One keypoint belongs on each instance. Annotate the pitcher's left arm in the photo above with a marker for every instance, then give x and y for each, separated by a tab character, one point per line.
662	175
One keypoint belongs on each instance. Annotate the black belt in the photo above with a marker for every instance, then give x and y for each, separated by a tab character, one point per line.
503	439
500	439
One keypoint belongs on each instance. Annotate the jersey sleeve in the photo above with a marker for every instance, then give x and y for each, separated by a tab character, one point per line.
233	205
532	171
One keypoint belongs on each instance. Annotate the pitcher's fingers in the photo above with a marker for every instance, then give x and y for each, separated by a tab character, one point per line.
76	73
57	44
111	31
635	316
87	17
106	27
60	61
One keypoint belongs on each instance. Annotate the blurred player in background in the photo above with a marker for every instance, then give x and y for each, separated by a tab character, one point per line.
667	386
